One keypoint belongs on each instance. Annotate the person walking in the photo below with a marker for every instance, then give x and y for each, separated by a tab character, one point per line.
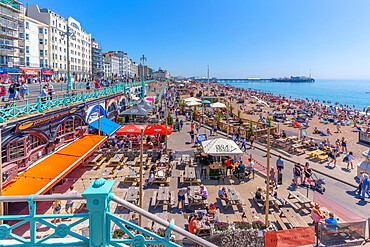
307	172
333	157
349	158
57	208
362	178
50	89
297	172
23	90
69	204
252	138
344	145
280	167
365	187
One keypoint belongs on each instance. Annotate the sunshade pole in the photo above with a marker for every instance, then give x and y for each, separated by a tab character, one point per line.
141	174
166	116
267	180
99	115
1	183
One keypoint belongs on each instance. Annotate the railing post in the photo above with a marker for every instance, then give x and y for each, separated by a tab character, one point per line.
61	86
32	211
39	108
98	196
82	96
28	91
65	99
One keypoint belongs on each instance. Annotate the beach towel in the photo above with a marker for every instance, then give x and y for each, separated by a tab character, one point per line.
304	132
323	132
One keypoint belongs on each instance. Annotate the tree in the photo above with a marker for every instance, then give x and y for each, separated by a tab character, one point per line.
239	112
169	119
268	122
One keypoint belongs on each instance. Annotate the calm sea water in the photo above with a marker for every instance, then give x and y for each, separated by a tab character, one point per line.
349	92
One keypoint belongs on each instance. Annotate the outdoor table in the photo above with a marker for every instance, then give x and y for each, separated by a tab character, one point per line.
132	175
197	199
294	218
185	159
232	196
132	195
163	197
189	173
303	200
205	229
116	160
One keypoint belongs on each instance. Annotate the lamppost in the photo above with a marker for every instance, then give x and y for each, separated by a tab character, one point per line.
70	34
143	59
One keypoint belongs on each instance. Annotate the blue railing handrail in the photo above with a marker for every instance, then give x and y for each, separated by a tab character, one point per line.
161	93
98	196
41	104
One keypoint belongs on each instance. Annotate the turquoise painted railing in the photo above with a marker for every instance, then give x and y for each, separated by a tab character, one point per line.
98	198
161	93
41	104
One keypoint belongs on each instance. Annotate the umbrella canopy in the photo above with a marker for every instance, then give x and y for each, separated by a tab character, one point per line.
218	105
192	99
136	111
221	147
131	129
143	104
149	99
206	102
193	103
158	130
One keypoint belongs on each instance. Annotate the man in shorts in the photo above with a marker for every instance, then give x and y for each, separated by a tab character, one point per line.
181	196
69	204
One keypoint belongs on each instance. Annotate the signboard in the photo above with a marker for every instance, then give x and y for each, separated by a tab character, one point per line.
93	112
200	138
292	237
35	122
47	72
10	64
221	148
364	137
339	233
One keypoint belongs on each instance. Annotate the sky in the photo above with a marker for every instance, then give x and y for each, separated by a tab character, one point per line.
237	38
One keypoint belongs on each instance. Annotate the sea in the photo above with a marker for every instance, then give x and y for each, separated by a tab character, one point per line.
345	92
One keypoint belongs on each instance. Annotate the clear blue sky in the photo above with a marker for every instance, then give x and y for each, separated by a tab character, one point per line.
238	38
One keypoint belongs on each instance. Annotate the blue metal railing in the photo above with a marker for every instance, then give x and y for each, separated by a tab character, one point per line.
98	197
12	110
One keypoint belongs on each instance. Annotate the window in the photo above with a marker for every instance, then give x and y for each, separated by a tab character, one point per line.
27	49
41	41
41	52
46	41
60	57
34	142
27	61
21	35
53	56
41	62
16	149
46	63
60	65
45	31
27	25
27	36
46	52
40	30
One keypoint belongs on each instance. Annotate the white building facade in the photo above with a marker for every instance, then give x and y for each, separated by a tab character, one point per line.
80	43
36	40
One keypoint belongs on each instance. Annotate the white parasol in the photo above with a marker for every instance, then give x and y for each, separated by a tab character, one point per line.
221	147
218	105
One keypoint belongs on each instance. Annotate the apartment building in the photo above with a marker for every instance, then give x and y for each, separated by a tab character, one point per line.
77	50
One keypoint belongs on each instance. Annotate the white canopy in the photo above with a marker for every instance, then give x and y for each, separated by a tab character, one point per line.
193	103
221	147
192	99
218	105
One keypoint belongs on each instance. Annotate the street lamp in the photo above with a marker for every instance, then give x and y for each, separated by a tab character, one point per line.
70	34
143	59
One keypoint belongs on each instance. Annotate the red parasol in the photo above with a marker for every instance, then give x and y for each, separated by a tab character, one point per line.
130	129
158	130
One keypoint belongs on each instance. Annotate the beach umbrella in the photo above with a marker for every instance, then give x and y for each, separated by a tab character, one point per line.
221	147
193	103
136	111
218	105
206	102
131	129
143	104
192	99
158	130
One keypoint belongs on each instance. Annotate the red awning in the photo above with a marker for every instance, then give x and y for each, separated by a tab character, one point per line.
158	130
130	130
30	71
148	130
